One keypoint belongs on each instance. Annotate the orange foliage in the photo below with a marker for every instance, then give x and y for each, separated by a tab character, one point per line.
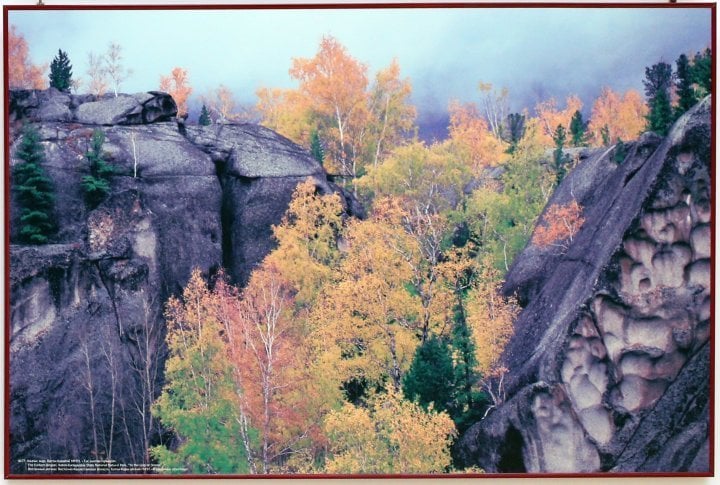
624	117
550	116
22	74
176	84
470	131
359	123
334	83
561	223
270	361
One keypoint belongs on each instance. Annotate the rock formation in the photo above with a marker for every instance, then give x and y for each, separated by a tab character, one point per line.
608	369
86	311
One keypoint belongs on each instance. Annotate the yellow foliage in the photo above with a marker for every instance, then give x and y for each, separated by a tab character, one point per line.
490	317
368	315
307	241
392	436
287	112
430	177
561	223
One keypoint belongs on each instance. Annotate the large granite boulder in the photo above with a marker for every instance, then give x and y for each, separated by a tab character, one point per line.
258	170
607	369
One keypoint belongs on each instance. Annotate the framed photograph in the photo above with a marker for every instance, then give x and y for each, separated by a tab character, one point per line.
359	240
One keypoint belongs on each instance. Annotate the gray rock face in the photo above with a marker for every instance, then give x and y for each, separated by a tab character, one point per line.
86	311
616	329
247	148
53	105
258	170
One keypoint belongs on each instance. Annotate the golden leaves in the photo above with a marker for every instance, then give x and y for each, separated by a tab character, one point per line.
391	436
623	118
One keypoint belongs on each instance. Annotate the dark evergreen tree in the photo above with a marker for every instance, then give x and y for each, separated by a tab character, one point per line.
578	129
316	147
431	375
204	119
515	130
465	376
658	80
660	117
96	186
620	152
559	158
701	72
34	191
684	85
61	72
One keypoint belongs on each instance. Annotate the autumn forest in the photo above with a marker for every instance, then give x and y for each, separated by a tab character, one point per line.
368	342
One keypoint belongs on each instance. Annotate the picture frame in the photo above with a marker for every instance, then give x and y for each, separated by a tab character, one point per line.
245	240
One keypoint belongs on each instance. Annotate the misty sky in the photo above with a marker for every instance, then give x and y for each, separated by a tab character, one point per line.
536	53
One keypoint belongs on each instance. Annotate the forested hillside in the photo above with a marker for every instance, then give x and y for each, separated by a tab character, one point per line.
305	286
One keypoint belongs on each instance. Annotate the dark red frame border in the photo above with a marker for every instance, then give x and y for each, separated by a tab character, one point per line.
354	6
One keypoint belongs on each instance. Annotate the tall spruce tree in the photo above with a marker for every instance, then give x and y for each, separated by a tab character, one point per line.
431	376
658	80
96	186
515	130
684	85
34	191
578	129
467	403
559	159
661	116
61	72
204	119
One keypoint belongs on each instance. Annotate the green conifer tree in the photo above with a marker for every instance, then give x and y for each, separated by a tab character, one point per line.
61	72
620	152
661	116
34	191
578	129
684	85
204	119
658	79
467	403
559	159
516	130
96	186
431	375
